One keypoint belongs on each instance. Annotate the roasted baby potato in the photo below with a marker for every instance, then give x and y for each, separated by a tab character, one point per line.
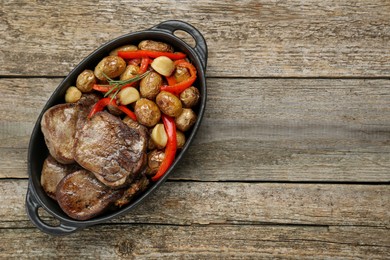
185	120
155	46
130	72
181	74
114	52
155	159
150	85
147	112
190	97
111	66
72	95
169	104
85	81
180	139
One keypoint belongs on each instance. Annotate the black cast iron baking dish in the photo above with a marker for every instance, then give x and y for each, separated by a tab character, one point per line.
37	151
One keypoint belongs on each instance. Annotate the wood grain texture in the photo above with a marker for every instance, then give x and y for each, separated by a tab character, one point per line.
253	130
217	220
198	203
292	159
246	38
199	242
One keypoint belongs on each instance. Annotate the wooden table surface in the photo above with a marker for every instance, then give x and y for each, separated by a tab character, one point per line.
292	159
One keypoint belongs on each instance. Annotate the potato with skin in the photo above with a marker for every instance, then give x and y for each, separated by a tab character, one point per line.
147	112
130	72
155	46
181	74
85	81
155	159
186	119
169	104
190	97
150	85
180	139
114	52
72	95
111	66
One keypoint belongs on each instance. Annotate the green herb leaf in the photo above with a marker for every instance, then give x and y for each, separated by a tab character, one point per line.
118	84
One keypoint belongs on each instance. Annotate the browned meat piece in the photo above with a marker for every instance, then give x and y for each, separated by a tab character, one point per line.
58	125
81	196
143	130
84	106
135	188
52	174
110	149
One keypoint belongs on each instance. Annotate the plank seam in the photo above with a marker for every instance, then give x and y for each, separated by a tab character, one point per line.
376	183
228	77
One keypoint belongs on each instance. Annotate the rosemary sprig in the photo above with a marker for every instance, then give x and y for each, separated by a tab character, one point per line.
118	84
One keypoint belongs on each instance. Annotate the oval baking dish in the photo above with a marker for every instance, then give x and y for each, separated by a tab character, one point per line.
36	197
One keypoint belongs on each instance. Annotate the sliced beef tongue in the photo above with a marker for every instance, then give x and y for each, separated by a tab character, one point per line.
84	106
52	173
132	191
110	149
58	126
81	196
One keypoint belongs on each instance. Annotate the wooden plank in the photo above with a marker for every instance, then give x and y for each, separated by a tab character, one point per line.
267	38
199	242
254	129
202	203
227	220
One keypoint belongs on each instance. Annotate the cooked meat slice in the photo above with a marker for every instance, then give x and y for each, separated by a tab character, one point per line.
58	126
135	188
143	130
144	133
136	126
81	196
110	149
84	106
52	174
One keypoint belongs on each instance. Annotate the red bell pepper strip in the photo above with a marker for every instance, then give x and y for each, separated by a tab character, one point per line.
171	80
106	88
170	148
121	83
181	86
144	65
135	62
150	54
102	103
143	68
102	88
128	85
128	112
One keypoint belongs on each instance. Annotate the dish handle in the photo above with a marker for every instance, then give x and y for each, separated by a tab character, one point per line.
32	207
200	47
